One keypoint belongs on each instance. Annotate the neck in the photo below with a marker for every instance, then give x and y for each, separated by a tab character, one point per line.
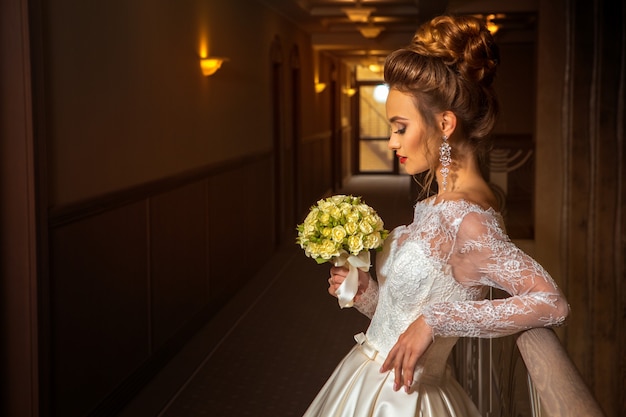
464	172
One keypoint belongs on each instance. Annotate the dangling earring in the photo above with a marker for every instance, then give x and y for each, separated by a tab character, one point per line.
445	160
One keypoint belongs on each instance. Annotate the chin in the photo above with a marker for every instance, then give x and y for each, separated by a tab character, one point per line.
415	171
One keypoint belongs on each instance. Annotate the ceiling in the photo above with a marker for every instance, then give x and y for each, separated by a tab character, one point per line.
334	33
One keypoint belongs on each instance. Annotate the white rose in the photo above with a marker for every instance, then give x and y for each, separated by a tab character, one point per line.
355	244
339	233
372	241
365	227
351	227
328	249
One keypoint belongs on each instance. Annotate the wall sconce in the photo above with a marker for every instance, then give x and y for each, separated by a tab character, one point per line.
492	26
319	87
210	65
358	14
349	91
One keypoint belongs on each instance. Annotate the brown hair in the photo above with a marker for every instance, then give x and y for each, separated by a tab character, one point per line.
450	65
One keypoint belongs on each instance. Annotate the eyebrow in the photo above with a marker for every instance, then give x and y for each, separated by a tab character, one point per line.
396	118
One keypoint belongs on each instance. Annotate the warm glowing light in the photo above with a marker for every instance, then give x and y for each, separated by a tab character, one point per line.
204	48
380	93
377	68
349	91
492	26
319	87
358	14
371	31
210	65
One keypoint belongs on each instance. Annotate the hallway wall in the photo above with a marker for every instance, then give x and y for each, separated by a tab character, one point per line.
581	229
157	184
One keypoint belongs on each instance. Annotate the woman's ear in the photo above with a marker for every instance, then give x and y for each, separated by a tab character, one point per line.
447	123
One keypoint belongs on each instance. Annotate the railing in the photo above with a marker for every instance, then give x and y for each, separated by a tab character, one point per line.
559	385
527	375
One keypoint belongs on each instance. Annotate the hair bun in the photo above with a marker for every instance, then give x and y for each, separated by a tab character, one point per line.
463	43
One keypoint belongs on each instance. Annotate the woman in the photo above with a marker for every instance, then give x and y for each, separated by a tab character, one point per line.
433	274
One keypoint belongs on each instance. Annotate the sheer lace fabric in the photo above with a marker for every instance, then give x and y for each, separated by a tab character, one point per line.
440	267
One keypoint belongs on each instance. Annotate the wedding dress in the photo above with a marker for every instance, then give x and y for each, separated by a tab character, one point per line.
439	266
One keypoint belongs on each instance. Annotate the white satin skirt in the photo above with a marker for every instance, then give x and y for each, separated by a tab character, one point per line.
356	388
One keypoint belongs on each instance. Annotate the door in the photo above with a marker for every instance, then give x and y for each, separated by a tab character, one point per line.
373	132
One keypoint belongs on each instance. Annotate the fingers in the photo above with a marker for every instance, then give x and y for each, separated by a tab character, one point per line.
340	271
403	365
337	276
408	369
403	357
332	287
334	284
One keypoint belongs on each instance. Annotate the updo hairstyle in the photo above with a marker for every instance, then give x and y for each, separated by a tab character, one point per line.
450	65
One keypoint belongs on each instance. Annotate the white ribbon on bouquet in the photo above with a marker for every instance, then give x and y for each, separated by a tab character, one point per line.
349	287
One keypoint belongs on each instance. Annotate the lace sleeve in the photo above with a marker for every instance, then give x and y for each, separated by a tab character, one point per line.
366	303
484	255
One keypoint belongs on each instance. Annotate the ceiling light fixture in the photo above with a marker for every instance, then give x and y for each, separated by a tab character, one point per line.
358	13
370	31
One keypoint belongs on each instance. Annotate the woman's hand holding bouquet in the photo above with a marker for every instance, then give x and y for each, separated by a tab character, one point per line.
342	230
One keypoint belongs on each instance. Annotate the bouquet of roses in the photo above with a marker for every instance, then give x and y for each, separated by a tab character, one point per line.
342	229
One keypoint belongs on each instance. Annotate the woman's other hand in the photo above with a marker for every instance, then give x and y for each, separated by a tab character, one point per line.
403	357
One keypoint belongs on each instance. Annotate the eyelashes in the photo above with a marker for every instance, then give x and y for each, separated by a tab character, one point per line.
399	131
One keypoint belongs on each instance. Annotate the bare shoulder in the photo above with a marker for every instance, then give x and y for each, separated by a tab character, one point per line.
480	196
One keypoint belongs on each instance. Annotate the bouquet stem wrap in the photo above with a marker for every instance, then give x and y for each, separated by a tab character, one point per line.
349	287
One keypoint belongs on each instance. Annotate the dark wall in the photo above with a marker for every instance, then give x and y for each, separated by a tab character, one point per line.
132	280
138	195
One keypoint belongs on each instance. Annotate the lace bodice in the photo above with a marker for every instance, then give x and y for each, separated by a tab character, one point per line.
440	266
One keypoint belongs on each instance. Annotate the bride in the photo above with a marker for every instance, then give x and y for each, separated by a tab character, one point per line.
433	274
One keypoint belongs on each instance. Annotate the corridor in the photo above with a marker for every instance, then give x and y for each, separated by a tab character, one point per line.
271	349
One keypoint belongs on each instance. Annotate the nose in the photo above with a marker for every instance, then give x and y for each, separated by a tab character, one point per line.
393	143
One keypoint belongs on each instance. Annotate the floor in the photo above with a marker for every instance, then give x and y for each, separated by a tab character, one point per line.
270	350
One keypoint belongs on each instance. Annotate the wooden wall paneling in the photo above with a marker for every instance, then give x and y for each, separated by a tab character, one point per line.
610	56
257	241
595	190
617	48
99	306
306	177
288	194
19	273
346	137
178	259
325	165
579	279
607	317
316	170
227	199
